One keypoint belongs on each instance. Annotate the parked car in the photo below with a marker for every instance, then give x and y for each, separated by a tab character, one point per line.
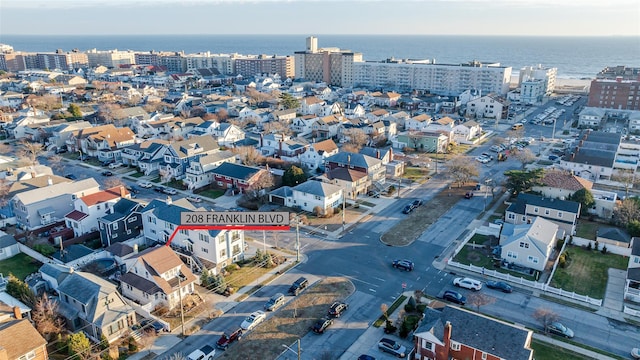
169	191
366	357
151	325
454	297
635	353
132	189
145	184
499	285
275	302
229	337
407	209
467	283
107	173
115	165
404	264
159	189
253	320
70	177
321	325
204	353
392	347
61	150
416	203
558	328
194	199
468	195
298	286
337	308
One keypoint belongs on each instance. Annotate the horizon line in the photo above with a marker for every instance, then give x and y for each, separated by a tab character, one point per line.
317	35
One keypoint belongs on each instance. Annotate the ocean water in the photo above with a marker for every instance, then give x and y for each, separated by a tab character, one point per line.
575	57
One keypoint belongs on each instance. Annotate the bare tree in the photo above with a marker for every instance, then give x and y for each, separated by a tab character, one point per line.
46	317
515	134
29	151
356	136
56	162
165	175
626	211
109	112
147	338
248	155
461	169
5	187
176	356
545	316
277	127
113	182
479	299
265	181
350	148
384	308
222	114
497	140
525	156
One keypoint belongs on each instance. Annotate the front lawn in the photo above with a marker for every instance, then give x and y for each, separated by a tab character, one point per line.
211	193
20	266
544	351
415	174
586	271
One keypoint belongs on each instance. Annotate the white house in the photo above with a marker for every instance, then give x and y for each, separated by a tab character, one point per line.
8	246
308	196
464	133
418	123
489	106
314	157
200	170
87	209
591	117
632	284
528	245
311	105
303	125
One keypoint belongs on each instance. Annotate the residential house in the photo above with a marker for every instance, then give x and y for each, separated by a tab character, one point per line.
527	207
46	205
236	176
282	146
529	245
591	117
94	306
371	166
57	135
562	185
146	155
467	132
208	249
121	223
326	127
311	105
352	182
87	209
156	277
21	341
377	115
303	125
489	106
456	333
20	126
313	196
285	116
317	153
52	274
178	155
632	283
104	142
387	99
595	155
418	123
384	155
8	246
200	171
227	134
427	141
354	110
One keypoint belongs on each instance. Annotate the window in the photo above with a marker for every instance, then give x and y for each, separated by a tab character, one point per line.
223	253
115	226
532	259
203	237
427	345
535	210
132	219
511	216
513	255
205	250
546	212
455	346
636	260
559	214
524	245
484	356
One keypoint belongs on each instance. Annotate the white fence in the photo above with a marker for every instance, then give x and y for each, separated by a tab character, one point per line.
630	311
618	250
525	282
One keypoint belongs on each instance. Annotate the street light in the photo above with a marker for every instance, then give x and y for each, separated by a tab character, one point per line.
295	352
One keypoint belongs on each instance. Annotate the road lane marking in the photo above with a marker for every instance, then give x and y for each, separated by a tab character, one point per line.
381	279
372	290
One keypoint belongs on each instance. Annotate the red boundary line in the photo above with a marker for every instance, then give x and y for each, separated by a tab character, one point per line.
227	227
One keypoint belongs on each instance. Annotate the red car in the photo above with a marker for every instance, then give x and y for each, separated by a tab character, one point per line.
227	338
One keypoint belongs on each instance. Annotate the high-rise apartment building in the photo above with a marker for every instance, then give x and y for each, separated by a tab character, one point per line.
614	72
110	58
615	93
547	75
333	66
264	64
224	63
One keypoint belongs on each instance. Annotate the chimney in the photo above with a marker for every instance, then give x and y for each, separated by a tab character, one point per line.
442	352
123	191
17	313
49	181
377	154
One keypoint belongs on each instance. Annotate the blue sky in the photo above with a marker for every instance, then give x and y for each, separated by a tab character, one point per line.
427	17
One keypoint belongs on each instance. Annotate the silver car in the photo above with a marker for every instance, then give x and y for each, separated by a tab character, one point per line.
392	347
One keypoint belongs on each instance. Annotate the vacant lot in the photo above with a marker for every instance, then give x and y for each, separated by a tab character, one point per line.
20	266
408	230
586	271
291	322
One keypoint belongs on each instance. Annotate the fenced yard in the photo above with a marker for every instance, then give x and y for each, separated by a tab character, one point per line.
586	271
19	265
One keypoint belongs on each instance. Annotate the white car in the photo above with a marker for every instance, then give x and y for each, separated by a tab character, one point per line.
145	184
115	165
467	283
195	199
253	320
635	353
204	353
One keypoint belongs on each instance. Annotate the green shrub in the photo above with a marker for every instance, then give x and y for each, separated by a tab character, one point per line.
410	306
559	244
44	249
604	249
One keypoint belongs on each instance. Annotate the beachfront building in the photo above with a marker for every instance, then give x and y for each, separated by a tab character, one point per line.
543	74
333	66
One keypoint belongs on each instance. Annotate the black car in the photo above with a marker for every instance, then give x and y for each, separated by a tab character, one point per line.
416	203
61	150
407	209
159	189
107	173
298	286
406	265
499	285
321	325
71	177
150	325
133	189
468	195
337	308
454	297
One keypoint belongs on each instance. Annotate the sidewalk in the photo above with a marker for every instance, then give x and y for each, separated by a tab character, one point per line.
166	341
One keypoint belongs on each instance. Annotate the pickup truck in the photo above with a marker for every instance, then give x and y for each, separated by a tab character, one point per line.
204	353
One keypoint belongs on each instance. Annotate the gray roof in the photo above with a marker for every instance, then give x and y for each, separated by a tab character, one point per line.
635	247
121	209
348	158
519	205
236	171
51	191
56	271
318	188
7	240
169	213
119	249
613	234
485	334
72	252
284	191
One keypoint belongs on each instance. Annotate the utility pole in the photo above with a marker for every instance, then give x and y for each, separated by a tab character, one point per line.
181	306
344	204
299	351
297	239
264	241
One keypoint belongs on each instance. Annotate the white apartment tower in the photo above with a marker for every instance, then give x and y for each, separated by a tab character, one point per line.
547	75
312	44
